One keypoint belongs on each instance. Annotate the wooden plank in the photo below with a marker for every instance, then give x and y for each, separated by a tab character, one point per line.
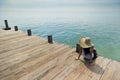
36	48
28	51
20	46
10	33
60	60
43	71
5	39
112	71
66	71
116	75
22	60
22	54
42	60
15	52
100	68
88	71
21	68
79	70
13	39
20	41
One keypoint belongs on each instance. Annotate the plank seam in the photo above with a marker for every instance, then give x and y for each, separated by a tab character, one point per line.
104	70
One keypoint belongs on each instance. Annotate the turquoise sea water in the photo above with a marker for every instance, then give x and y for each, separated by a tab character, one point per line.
104	30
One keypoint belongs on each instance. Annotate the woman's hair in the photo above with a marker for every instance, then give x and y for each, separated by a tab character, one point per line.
86	50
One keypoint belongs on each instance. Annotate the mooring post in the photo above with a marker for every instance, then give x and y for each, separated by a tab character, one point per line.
29	32
16	28
6	26
6	23
77	48
50	39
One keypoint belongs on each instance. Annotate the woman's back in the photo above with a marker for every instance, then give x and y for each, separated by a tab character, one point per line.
86	51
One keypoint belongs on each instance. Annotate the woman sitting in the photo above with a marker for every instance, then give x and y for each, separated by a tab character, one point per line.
87	49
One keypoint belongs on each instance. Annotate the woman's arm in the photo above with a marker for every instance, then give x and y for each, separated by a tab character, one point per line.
80	52
91	52
91	58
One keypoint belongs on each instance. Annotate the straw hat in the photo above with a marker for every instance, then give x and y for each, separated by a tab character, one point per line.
85	42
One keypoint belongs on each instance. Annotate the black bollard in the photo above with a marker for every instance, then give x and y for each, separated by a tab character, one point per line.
77	48
16	28
6	26
50	39
29	32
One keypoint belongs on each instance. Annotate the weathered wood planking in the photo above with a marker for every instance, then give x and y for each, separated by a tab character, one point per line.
25	57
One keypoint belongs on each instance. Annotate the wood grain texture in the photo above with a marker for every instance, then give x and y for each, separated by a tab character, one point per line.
25	57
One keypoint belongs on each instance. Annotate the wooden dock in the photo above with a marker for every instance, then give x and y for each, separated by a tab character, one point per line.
25	57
